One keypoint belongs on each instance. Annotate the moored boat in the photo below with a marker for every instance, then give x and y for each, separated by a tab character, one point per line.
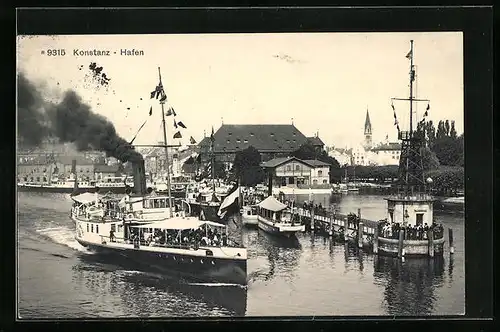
249	214
276	218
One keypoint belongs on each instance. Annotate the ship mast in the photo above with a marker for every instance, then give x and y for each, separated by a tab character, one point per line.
411	174
162	103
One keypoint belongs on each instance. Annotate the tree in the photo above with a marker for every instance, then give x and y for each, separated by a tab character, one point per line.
447	128
453	132
429	159
246	167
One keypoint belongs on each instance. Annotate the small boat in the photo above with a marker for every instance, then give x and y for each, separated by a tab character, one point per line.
249	214
275	217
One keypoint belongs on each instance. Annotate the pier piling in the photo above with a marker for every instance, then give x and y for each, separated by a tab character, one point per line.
330	231
360	235
450	239
430	236
400	243
375	240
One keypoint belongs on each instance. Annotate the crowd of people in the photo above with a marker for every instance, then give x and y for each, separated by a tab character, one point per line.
418	232
189	238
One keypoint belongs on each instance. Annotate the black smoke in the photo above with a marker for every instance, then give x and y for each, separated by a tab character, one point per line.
70	121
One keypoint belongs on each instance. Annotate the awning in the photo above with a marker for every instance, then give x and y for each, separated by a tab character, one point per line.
86	198
179	224
272	204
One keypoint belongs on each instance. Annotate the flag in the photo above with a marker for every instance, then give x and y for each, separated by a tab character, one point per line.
175	124
151	110
153	93
397	126
178	135
212	135
392	105
159	90
163	97
169	111
409	55
181	125
396	122
426	113
412	75
428	107
191	140
173	112
228	201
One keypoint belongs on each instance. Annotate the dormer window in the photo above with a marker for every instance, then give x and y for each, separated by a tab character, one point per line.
251	134
228	141
229	133
272	134
238	140
245	141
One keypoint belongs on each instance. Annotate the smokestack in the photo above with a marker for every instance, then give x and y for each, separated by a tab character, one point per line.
73	170
139	177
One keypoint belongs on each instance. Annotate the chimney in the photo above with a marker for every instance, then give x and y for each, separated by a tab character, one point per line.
139	177
73	170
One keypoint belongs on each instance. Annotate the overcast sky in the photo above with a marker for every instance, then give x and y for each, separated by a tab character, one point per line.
324	81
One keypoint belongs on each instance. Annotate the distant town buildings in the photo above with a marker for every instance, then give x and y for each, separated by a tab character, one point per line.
367	153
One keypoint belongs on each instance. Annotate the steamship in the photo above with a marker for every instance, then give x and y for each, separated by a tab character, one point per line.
158	235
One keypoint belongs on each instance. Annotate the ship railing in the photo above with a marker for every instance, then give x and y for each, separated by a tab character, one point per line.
153	243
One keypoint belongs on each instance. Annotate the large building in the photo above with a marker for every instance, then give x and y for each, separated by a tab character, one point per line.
271	140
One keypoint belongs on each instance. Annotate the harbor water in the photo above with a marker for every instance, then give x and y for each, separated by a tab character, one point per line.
312	275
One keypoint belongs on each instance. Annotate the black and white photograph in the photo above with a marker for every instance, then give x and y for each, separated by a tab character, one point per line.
240	175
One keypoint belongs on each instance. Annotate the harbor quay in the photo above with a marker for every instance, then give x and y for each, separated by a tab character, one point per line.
376	236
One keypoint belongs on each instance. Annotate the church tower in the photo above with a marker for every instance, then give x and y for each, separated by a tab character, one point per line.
368	132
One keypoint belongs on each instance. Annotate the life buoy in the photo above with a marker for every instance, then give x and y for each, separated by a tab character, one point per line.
130	216
128	190
149	190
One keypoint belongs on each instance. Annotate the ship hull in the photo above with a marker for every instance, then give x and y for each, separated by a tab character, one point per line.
189	268
271	228
52	189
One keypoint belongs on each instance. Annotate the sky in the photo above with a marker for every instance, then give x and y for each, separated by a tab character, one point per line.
325	82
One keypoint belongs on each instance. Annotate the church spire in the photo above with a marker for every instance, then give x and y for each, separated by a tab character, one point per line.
368	124
368	131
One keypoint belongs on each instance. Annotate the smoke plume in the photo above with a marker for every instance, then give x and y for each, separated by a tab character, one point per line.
70	120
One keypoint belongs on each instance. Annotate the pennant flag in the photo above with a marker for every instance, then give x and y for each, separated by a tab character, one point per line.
397	126
228	201
182	125
173	112
153	93
175	124
150	110
409	55
169	112
159	90
191	140
164	97
396	122
395	116
412	75
428	106
392	105
426	113
212	135
178	135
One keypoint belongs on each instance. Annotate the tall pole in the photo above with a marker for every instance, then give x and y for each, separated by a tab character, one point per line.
162	103
212	161
412	76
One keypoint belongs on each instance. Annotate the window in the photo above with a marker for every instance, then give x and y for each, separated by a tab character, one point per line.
297	167
31	179
87	227
25	179
315	181
37	179
229	133
162	203
156	204
288	168
238	140
320	173
92	228
245	141
324	181
228	141
272	134
97	228
44	179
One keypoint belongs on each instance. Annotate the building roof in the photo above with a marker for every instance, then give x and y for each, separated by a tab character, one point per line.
80	160
204	142
273	163
316	163
316	141
107	168
393	146
265	138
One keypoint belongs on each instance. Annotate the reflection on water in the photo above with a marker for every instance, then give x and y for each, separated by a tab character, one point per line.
409	285
145	294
